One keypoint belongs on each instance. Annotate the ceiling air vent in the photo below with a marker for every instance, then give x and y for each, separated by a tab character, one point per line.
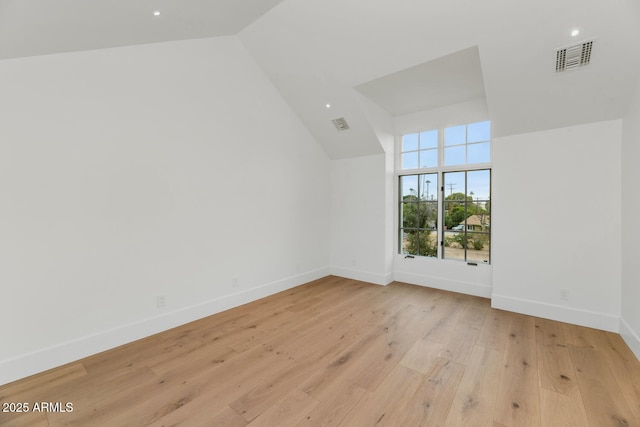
340	124
573	57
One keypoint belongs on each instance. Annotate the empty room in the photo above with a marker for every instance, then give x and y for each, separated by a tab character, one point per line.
319	213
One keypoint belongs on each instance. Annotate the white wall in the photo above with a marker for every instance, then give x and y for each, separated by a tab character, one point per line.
450	115
630	324
358	219
450	275
556	224
165	169
384	127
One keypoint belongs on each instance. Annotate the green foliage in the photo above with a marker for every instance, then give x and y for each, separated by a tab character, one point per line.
465	241
458	207
420	218
455	215
459	197
419	214
459	239
479	240
477	244
420	243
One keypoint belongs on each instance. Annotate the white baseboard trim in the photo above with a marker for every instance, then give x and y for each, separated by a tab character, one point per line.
560	313
43	359
631	337
363	276
445	284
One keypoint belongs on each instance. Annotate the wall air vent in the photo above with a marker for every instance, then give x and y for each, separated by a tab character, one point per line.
340	124
572	57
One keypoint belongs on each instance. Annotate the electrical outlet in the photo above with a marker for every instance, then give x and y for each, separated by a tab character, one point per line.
161	301
234	282
564	294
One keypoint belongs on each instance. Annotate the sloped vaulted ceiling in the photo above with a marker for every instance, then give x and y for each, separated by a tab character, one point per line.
319	52
39	27
451	79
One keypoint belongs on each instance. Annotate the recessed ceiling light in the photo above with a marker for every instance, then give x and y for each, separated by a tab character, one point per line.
575	32
156	13
328	105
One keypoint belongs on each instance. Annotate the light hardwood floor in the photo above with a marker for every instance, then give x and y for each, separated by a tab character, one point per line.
338	352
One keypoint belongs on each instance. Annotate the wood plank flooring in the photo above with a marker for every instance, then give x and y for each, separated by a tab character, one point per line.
338	352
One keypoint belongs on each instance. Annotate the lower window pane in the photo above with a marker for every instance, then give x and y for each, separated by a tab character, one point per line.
455	213
426	242
464	215
410	215
478	247
420	242
428	215
409	188
455	244
406	236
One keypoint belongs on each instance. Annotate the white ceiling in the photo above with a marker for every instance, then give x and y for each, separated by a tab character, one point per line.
37	27
404	55
318	51
451	79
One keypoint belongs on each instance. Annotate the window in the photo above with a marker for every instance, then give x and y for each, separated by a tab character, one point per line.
419	214
444	187
467	206
467	144
420	150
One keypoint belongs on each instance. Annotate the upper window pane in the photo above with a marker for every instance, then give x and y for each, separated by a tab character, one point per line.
410	160
479	132
429	158
419	150
429	139
454	155
459	145
410	142
456	135
479	153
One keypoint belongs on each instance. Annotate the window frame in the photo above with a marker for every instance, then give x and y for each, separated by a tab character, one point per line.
418	202
466	145
440	170
467	238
